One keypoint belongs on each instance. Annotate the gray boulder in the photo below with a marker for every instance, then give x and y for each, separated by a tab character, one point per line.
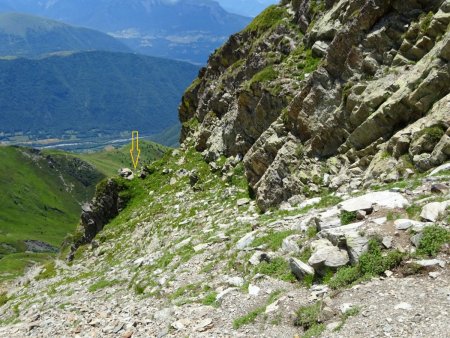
434	211
327	255
246	240
300	269
289	244
356	245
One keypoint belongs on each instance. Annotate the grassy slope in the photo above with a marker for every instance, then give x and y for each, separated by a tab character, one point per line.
109	161
35	204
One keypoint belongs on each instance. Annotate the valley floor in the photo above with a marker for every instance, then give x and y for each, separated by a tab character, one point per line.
191	256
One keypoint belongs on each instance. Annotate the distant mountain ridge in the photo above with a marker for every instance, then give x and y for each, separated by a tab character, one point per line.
246	7
29	36
182	29
91	94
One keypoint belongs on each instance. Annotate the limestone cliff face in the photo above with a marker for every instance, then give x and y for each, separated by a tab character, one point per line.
327	95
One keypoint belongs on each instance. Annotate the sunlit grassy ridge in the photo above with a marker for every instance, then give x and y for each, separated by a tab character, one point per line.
40	200
42	193
109	161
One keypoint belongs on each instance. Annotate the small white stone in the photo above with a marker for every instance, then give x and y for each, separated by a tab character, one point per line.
253	290
434	274
403	306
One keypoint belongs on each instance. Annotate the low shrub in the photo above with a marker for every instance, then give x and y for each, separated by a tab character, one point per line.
433	238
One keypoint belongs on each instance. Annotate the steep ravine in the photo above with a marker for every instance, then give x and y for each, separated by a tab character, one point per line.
376	98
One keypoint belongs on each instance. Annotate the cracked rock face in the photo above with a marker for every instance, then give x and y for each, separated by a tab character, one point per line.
337	98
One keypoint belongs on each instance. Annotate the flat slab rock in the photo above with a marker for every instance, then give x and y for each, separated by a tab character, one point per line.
385	199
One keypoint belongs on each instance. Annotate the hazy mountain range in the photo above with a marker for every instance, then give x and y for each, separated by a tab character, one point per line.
30	36
89	94
177	29
246	7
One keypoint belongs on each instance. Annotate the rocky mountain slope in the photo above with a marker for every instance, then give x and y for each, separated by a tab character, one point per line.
301	203
355	90
190	255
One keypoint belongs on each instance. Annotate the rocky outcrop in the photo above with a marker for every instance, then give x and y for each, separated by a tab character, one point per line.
327	95
106	205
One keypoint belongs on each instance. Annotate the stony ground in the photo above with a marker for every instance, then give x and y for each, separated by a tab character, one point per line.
191	256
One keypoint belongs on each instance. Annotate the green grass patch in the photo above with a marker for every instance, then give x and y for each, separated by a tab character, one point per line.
433	134
317	6
345	276
308	318
372	263
273	239
101	284
138	289
433	238
210	299
413	211
347	217
270	17
425	21
14	265
35	204
48	271
248	318
3	298
268	74
252	315
278	268
392	216
311	232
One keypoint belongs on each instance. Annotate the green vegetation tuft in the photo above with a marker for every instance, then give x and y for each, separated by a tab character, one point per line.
139	289
101	284
48	271
266	75
273	239
348	217
317	6
433	238
344	276
210	299
270	17
308	318
248	318
3	298
311	232
425	21
252	315
434	134
278	268
372	263
350	313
